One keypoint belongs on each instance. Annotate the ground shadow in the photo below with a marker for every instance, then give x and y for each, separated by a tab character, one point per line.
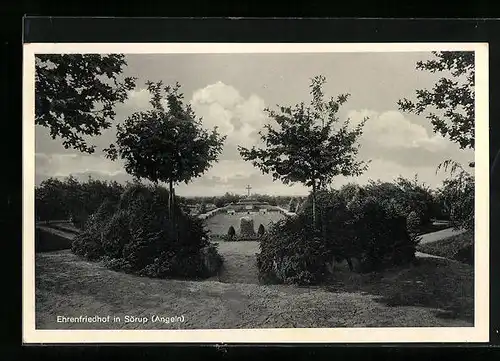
444	285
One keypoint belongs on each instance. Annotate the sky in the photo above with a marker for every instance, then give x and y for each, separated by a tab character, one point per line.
230	91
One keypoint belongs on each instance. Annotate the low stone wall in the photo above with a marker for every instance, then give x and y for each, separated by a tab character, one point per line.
213	212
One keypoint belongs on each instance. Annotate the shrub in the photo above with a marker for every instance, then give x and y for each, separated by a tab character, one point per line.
261	230
116	264
404	196
352	224
292	252
50	200
135	235
88	243
231	232
466	255
381	237
212	260
116	234
412	224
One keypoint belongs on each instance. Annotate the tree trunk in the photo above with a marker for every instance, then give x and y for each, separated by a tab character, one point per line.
349	262
314	215
171	208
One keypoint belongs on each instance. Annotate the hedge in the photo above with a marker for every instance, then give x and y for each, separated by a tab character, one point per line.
351	225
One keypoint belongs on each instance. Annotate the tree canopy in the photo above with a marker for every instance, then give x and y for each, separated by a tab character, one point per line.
75	95
310	145
449	105
166	144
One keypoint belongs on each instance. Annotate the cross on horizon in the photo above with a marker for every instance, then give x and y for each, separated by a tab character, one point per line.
248	189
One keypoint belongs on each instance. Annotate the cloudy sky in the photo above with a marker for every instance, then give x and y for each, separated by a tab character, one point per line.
231	90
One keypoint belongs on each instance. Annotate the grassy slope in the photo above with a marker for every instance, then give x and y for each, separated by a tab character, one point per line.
448	247
435	293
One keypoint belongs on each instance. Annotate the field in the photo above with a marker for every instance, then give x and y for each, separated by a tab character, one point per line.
220	223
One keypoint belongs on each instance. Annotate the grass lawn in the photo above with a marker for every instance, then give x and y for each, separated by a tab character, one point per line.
220	223
433	227
435	293
449	247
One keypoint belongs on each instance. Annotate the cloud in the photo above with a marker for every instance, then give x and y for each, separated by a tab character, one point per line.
395	144
390	135
62	165
237	117
391	129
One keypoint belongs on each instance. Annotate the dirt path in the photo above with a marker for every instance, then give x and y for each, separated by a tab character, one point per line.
239	262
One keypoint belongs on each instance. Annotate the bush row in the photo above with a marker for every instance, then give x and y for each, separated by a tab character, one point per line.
352	224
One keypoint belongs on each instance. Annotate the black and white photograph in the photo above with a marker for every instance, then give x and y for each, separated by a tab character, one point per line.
321	193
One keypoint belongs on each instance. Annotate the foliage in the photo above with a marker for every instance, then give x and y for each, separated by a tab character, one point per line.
71	199
452	96
50	200
457	194
167	145
75	95
418	197
404	196
412	223
231	232
116	234
89	243
133	236
351	224
291	252
308	145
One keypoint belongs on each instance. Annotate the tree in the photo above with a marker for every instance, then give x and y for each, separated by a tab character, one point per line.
457	193
75	95
450	104
417	197
166	144
50	201
309	145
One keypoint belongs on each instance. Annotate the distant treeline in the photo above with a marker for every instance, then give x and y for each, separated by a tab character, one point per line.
227	198
69	198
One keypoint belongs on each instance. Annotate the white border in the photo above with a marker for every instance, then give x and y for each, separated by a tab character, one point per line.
478	333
